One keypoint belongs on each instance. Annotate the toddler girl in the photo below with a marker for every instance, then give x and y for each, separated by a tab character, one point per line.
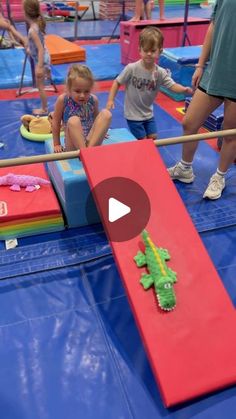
84	125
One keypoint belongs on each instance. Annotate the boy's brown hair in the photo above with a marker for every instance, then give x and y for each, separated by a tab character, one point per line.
151	38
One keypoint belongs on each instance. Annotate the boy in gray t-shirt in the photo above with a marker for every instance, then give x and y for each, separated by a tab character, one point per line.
142	81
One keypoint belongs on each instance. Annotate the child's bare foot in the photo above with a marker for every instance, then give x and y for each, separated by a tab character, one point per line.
40	112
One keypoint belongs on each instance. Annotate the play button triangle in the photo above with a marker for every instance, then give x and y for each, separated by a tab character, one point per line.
117	210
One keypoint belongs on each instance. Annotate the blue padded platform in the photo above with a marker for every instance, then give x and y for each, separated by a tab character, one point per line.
214	120
180	63
183	55
11	65
70	182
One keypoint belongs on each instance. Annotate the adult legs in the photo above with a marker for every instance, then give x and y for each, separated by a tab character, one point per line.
227	154
199	109
201	106
228	150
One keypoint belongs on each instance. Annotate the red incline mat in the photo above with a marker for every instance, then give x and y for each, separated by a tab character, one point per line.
192	348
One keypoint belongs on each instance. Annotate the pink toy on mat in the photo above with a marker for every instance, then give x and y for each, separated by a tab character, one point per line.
30	183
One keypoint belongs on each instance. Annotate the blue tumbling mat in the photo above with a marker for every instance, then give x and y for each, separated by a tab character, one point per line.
103	60
11	66
69	342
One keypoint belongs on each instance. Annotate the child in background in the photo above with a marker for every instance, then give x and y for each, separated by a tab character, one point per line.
142	80
37	50
147	10
14	35
78	109
143	8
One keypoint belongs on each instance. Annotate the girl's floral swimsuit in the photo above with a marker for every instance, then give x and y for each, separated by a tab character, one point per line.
34	50
84	111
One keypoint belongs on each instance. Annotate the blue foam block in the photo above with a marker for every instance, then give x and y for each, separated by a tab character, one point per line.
72	188
180	64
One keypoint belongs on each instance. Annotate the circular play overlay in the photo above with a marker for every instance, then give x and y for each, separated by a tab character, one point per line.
124	207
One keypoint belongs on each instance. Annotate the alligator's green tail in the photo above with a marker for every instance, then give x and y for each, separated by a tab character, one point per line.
145	237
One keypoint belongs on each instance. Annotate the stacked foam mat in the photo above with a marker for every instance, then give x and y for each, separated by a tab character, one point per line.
63	51
28	213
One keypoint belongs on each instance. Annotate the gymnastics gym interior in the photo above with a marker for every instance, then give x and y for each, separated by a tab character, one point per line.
80	337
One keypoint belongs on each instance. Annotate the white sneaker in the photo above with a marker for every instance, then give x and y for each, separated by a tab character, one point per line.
215	187
183	175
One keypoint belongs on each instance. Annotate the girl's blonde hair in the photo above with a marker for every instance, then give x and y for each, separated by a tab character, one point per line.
32	11
77	70
151	38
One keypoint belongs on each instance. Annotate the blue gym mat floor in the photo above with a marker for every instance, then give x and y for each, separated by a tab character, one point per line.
69	344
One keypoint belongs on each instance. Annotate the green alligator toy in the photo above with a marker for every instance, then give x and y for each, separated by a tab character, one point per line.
159	274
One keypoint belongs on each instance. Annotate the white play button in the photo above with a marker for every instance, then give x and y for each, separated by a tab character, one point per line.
124	208
117	210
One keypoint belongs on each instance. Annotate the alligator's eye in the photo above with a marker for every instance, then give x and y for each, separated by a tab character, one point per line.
167	285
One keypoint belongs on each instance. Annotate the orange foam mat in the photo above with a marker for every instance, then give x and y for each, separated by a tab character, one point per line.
192	348
63	51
